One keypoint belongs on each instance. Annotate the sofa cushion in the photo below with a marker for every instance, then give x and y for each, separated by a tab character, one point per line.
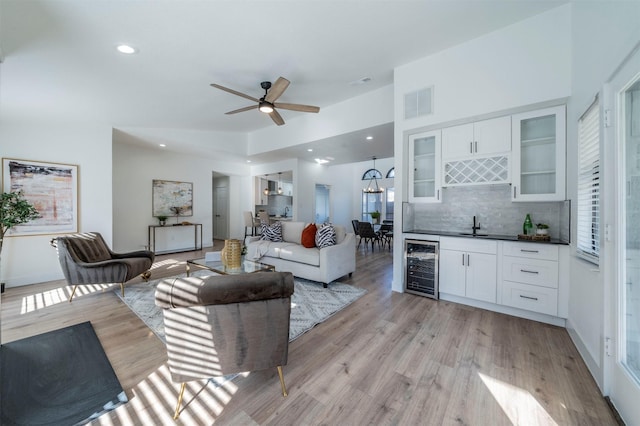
309	236
292	232
300	254
325	236
272	233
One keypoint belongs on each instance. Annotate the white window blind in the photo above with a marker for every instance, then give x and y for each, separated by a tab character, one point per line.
588	240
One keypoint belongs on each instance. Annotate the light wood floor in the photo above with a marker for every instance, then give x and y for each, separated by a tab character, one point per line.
389	358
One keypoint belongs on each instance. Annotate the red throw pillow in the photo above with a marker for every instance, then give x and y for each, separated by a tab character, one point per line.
309	235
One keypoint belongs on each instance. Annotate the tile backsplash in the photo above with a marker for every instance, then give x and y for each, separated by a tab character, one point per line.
493	208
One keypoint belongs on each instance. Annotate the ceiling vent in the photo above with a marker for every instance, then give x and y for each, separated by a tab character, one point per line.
418	103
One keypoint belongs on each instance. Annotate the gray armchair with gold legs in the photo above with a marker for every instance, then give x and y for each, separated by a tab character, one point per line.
86	259
225	324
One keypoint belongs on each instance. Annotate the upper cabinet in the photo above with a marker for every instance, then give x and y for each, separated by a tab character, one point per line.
482	138
539	155
477	153
424	167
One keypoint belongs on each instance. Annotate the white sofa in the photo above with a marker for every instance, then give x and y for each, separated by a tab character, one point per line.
323	265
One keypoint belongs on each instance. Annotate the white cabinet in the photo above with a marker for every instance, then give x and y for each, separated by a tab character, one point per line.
530	277
468	268
539	155
424	167
482	138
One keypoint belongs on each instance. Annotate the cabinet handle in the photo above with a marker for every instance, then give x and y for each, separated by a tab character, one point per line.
529	272
468	262
462	259
476	143
529	251
470	147
437	194
514	191
528	297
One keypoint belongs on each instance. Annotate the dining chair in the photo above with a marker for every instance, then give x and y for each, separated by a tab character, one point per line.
386	234
366	233
250	223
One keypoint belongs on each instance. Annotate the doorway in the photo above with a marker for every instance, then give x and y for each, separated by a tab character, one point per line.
323	203
220	206
622	141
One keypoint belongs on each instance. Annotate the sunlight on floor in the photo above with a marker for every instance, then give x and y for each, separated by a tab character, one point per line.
156	396
169	264
518	404
52	297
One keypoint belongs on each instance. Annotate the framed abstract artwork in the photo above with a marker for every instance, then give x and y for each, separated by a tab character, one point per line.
52	188
172	198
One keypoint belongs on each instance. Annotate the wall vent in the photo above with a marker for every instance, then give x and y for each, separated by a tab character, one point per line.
418	103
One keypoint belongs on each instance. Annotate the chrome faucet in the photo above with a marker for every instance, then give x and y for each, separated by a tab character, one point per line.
286	211
476	226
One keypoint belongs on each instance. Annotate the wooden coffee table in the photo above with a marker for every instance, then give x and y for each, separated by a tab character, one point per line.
248	267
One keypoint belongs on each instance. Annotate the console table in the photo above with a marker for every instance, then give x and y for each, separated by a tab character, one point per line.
168	230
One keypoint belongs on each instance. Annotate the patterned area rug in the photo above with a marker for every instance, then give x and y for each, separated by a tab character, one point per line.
311	304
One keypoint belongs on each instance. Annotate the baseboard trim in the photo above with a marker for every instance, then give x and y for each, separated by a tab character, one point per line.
592	364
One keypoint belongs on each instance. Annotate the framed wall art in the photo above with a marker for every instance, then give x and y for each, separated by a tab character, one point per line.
52	188
172	198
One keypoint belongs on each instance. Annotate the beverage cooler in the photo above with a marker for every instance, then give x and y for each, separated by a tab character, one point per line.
421	266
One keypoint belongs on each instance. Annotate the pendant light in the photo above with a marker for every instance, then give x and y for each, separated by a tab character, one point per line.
373	187
266	188
279	183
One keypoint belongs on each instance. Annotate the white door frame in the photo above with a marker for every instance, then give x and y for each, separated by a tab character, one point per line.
618	383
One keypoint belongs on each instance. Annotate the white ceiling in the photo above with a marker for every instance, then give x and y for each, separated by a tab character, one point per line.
320	46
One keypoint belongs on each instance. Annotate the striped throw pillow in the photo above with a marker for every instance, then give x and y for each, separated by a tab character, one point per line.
325	236
272	233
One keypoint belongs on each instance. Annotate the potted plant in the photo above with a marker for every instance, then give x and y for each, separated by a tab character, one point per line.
14	210
542	229
162	219
375	216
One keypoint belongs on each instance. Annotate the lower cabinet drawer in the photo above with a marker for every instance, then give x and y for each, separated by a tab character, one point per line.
530	271
530	297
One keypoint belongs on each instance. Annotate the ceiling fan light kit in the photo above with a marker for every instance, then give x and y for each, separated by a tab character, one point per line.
267	103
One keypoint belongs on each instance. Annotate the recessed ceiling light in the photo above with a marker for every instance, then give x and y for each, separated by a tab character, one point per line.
248	161
162	145
369	138
126	49
310	149
321	161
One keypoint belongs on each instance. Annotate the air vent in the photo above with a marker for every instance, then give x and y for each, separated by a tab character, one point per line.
418	103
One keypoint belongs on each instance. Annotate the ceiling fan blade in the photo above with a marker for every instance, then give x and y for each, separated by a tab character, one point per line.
249	108
297	107
277	89
277	118
226	89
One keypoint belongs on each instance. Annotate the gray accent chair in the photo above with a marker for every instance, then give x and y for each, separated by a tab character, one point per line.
225	324
86	259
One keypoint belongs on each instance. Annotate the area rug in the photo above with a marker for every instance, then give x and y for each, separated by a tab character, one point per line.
62	377
311	303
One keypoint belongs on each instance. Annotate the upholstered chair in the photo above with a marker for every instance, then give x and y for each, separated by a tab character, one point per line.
225	324
86	259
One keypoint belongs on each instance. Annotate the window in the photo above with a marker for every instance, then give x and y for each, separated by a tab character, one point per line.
588	245
391	173
371	202
390	193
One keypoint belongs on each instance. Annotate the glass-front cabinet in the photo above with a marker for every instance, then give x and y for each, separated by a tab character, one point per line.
539	155
424	167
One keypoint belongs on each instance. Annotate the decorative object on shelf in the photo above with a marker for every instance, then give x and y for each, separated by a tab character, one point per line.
374	174
527	226
542	229
231	254
177	211
162	219
171	195
52	188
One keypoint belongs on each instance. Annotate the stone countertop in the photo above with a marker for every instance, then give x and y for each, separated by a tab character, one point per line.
483	236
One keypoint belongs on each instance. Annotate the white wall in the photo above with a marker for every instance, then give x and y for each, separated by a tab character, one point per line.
603	33
31	259
135	167
526	63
